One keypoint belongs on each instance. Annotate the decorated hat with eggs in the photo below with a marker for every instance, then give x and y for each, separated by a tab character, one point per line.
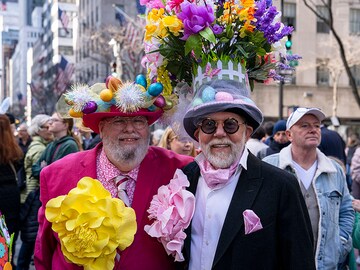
221	87
115	98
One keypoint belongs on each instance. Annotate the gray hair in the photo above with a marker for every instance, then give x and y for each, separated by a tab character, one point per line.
37	122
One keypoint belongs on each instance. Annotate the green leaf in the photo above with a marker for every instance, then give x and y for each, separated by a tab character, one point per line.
261	51
193	43
208	34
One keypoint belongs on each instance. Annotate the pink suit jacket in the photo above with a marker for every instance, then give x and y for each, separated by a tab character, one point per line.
59	178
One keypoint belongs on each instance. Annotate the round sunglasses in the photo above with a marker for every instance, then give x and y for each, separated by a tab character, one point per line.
230	125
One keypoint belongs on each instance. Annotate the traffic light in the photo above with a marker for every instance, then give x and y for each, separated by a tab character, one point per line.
288	43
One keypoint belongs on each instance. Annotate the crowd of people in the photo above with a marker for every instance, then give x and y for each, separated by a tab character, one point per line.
221	156
215	187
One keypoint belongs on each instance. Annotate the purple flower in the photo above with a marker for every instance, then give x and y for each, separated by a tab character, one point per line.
268	3
217	29
195	18
292	57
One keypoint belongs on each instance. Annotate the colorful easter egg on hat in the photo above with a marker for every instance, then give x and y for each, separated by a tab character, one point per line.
68	101
223	96
169	104
89	107
114	83
107	81
155	89
152	108
208	94
141	79
106	95
75	114
160	101
197	102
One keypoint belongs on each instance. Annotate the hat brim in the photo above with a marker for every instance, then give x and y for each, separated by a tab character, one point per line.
252	114
92	120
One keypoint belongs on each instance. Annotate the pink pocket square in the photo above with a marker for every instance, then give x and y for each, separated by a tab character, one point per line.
251	221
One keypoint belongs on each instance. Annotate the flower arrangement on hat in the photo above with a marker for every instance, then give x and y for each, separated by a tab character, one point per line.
171	210
182	35
117	98
6	241
91	225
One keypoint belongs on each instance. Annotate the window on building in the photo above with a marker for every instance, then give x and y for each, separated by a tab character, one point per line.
65	33
321	26
97	70
289	15
355	70
354	21
322	73
66	50
92	19
96	14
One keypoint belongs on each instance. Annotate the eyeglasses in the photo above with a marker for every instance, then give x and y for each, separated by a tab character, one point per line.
138	122
230	125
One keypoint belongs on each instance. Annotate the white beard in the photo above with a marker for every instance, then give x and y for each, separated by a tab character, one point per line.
131	155
223	160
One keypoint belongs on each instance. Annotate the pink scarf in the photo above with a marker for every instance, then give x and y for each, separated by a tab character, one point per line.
215	178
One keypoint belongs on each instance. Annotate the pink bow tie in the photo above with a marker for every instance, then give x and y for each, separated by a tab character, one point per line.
215	178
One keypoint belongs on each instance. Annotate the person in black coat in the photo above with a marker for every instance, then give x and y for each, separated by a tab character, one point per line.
277	141
29	226
332	144
248	214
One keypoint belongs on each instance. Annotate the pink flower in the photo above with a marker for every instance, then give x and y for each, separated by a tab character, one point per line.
152	59
152	3
172	209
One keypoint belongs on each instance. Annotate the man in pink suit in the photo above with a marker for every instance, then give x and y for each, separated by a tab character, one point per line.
124	151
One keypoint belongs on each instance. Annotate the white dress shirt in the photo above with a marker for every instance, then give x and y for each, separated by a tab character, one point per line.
211	207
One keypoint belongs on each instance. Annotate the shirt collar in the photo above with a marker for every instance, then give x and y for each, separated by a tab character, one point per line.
108	171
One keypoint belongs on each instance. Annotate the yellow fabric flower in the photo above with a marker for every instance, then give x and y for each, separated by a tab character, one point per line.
154	26
173	23
91	225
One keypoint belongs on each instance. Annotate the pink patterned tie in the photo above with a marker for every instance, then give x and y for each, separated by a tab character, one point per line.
126	188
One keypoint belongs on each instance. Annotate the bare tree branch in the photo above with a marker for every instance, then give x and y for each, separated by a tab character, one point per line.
330	24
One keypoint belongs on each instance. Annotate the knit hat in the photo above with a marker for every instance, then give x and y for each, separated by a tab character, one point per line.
279	126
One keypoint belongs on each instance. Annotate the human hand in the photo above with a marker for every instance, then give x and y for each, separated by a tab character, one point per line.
356	205
43	164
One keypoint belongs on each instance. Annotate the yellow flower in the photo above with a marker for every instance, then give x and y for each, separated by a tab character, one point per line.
173	23
247	3
91	225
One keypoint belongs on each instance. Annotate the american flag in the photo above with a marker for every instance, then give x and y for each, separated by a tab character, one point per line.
131	33
65	72
63	18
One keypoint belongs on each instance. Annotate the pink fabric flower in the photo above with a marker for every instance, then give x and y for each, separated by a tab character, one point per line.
172	209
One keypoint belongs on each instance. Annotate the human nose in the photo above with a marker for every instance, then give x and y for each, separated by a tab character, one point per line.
220	132
129	125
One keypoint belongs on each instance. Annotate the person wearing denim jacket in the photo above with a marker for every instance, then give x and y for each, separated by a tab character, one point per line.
335	212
